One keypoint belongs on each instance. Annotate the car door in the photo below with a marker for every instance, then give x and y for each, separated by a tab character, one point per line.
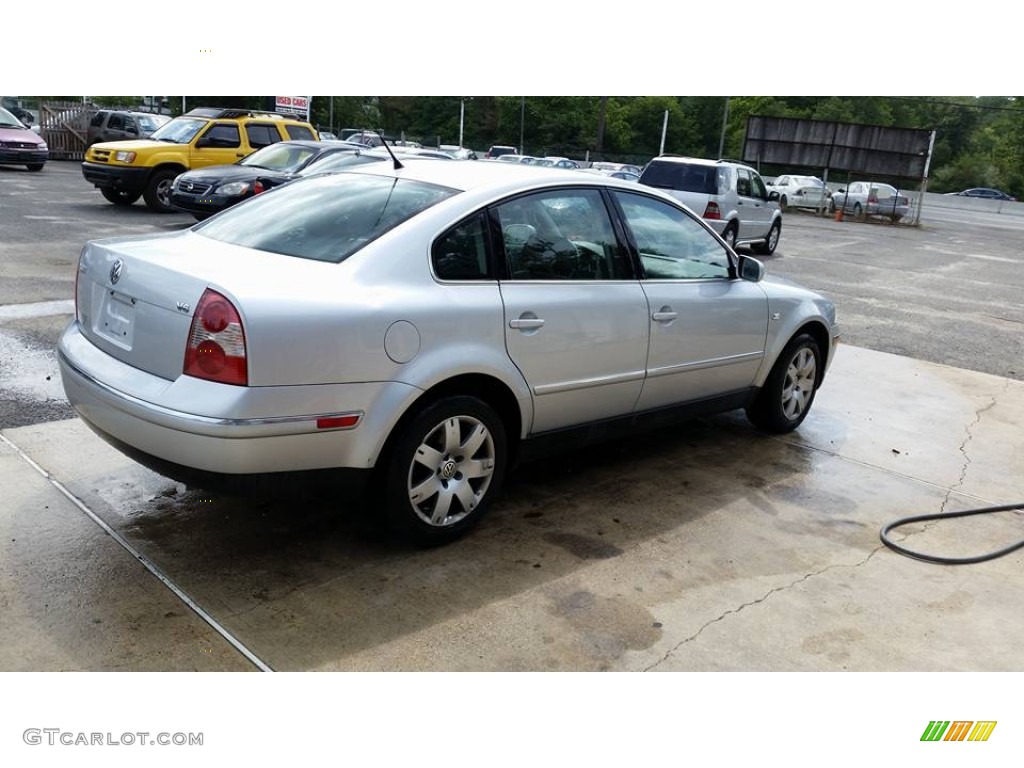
219	144
707	326
755	213
575	315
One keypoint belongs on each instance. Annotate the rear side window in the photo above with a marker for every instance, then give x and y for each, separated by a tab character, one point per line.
683	177
261	134
300	132
325	218
461	252
561	235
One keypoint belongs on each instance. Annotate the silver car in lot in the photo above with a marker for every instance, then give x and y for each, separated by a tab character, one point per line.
871	198
427	326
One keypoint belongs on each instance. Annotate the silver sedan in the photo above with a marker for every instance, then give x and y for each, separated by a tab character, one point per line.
426	324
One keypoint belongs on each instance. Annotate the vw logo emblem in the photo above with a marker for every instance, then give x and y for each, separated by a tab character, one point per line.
190	186
116	270
448	469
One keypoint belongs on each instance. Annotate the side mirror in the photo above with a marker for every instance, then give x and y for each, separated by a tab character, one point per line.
773	196
840	191
751	269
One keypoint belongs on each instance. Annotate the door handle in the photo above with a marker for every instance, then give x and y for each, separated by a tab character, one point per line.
664	315
526	323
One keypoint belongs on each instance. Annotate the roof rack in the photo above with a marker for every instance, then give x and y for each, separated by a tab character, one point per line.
216	113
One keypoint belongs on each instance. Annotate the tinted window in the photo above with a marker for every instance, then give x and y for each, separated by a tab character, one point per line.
97	119
743	183
757	187
261	134
561	235
461	252
685	177
116	123
672	245
327	218
224	134
300	132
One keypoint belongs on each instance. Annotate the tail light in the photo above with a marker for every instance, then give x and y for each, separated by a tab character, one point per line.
216	342
257	187
712	211
872	198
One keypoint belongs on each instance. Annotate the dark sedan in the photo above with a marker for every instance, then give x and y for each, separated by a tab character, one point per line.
207	191
986	194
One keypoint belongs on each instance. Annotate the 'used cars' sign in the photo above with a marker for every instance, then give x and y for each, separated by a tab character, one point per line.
292	104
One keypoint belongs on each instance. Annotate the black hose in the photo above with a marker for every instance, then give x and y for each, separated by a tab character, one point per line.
939	516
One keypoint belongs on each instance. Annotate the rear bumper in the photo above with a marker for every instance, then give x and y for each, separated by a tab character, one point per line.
117	177
256	429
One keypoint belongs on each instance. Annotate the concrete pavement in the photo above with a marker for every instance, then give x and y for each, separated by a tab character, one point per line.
709	547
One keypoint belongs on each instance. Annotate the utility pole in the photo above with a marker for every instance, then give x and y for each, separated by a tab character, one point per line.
725	122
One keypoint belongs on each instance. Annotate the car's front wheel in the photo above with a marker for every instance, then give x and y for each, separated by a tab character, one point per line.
35	166
158	191
444	470
788	392
118	197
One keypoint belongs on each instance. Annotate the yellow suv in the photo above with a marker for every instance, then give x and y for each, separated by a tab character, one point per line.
124	171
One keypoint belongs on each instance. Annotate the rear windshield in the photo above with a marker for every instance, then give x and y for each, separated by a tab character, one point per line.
684	177
326	218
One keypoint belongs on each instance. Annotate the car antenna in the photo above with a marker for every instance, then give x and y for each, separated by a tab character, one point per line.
397	164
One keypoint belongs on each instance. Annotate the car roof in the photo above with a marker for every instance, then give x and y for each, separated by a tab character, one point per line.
700	161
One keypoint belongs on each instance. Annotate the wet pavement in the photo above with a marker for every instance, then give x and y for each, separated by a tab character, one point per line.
706	547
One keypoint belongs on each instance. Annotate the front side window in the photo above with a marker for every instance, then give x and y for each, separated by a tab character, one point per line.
672	244
758	188
461	252
224	135
116	123
561	235
325	218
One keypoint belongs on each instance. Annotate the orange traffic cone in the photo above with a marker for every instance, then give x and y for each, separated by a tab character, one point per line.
839	214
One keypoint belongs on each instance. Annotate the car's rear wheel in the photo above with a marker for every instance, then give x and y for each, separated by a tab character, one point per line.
117	197
783	204
158	191
444	470
788	392
730	235
771	242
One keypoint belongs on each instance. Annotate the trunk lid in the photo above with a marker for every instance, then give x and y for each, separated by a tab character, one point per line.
137	296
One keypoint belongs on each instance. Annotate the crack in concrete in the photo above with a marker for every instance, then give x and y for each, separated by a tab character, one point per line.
758	601
969	429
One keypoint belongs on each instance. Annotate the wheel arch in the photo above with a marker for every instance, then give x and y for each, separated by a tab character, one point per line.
491	390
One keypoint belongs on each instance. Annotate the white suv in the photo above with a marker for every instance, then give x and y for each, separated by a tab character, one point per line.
729	195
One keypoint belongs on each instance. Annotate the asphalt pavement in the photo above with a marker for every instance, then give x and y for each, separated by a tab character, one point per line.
706	547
